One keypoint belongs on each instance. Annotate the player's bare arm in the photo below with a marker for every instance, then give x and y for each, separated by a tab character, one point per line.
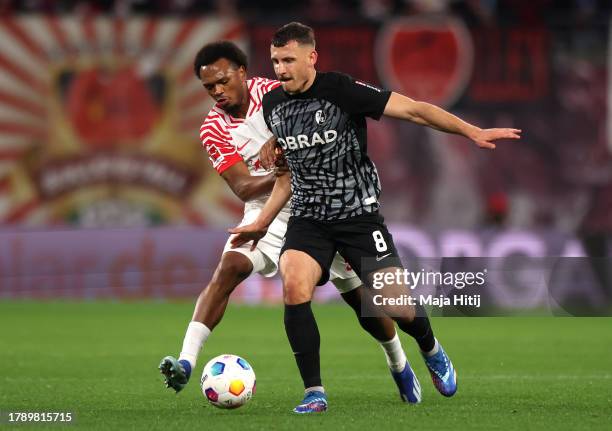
426	114
246	186
257	230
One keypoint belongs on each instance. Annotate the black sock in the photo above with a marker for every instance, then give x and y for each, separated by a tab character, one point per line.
303	335
420	330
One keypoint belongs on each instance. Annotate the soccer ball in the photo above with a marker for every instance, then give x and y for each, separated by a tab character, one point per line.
228	381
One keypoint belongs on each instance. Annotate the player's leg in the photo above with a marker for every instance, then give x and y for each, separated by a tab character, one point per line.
233	268
235	265
368	238
304	263
300	274
381	328
416	323
378	325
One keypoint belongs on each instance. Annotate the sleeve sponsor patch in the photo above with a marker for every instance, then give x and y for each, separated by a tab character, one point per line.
370	86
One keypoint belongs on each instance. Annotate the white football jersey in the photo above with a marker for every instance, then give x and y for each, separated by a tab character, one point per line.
229	140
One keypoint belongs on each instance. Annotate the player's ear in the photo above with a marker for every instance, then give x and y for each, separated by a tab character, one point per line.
314	55
243	72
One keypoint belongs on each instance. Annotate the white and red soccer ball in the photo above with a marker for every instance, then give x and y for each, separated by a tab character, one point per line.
228	381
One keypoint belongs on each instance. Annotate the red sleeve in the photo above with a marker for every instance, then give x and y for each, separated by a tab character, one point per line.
218	143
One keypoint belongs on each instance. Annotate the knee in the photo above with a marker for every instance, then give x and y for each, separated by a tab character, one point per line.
402	315
299	272
296	291
229	273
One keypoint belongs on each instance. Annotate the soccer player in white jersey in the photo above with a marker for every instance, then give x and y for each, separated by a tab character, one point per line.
233	133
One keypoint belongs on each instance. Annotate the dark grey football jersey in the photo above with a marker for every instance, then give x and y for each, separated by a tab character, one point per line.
323	135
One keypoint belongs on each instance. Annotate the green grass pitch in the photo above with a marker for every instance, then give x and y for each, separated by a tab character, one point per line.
99	359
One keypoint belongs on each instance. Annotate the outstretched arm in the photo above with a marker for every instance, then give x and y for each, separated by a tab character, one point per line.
275	203
424	113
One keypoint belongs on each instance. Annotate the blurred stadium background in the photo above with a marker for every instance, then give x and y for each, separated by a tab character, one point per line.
107	198
105	191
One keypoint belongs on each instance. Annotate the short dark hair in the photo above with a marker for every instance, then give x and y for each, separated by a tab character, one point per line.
214	51
297	31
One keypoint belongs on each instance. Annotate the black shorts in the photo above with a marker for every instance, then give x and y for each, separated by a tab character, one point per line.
364	242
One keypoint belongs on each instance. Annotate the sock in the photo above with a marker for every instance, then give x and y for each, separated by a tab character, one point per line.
196	335
303	335
420	330
433	351
396	358
186	366
314	388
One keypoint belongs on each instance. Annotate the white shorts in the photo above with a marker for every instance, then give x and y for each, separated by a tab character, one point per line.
266	255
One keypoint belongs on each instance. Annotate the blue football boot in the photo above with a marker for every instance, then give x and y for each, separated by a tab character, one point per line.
313	402
408	385
443	374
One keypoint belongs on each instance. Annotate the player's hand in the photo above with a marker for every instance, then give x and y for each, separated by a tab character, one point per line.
267	153
250	232
280	165
484	137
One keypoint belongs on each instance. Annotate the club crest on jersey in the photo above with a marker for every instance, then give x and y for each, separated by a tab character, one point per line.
320	117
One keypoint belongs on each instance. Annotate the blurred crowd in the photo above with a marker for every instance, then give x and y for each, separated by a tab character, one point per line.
475	12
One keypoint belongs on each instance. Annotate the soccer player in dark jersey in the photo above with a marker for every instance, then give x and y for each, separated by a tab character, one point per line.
319	120
232	134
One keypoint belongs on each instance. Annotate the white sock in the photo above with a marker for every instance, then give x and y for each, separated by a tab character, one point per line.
196	335
435	349
314	388
396	358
